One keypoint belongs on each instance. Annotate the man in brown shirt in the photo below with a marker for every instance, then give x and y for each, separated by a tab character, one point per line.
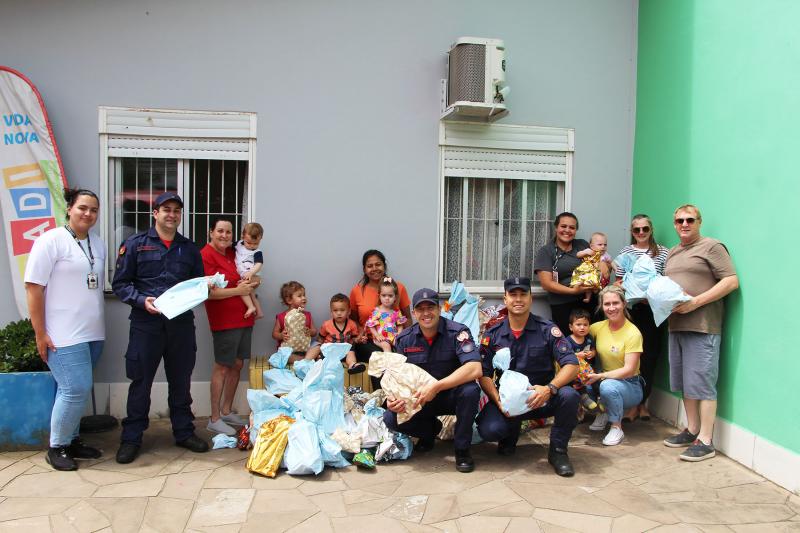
703	268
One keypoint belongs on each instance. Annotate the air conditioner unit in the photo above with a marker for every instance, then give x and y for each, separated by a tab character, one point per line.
476	88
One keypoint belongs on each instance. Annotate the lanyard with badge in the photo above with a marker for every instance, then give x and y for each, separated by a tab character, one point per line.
91	277
555	263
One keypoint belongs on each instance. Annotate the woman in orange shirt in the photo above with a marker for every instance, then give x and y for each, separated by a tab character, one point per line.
364	297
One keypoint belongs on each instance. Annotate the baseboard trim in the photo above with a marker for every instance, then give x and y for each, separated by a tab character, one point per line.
776	463
112	398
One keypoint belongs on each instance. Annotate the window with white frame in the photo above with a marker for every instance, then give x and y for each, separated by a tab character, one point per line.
502	186
206	157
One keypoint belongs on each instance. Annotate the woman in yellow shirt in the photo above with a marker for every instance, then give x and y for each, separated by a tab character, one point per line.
619	347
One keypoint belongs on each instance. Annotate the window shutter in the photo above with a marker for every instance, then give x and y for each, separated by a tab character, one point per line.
177	134
506	152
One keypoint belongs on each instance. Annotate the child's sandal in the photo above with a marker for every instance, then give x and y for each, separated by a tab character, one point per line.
357	368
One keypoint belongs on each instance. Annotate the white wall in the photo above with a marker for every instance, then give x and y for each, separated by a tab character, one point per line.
347	96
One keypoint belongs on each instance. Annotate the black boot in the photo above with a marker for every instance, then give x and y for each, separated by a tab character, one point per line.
127	452
560	460
79	450
194	444
506	447
464	462
60	459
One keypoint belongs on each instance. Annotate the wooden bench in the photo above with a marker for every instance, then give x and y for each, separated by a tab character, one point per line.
260	363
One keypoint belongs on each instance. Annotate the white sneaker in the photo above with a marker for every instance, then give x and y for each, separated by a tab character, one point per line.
221	427
614	437
233	419
600	422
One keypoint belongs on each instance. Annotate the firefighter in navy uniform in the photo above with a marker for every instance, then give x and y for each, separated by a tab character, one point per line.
445	349
148	264
535	344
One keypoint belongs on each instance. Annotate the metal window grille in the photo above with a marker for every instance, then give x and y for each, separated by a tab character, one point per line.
493	227
208	187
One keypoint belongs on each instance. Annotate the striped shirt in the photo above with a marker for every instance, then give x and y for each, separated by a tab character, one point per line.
659	260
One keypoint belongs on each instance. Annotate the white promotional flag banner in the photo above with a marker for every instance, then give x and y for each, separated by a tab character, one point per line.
32	188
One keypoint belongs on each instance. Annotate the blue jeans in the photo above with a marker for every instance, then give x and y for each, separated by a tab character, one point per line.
620	394
71	367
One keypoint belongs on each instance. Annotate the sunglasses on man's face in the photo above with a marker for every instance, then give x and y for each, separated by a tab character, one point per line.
643	229
689	221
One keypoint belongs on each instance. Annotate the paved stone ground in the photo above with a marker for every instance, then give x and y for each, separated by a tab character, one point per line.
637	486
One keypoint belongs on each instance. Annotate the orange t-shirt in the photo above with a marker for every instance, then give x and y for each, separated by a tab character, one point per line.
363	302
329	333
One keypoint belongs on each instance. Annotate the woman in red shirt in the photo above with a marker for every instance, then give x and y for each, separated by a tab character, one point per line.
230	330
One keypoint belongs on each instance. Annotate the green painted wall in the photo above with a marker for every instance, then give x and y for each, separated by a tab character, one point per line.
718	125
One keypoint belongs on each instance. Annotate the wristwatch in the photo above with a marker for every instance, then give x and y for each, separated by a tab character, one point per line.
553	389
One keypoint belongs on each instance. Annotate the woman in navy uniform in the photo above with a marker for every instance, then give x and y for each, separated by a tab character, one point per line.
445	349
148	264
535	344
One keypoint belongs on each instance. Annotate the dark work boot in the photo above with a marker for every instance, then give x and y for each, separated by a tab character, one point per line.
464	462
424	445
506	447
127	452
194	444
560	460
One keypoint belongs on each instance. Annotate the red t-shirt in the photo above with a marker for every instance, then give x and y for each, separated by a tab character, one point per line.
227	313
516	333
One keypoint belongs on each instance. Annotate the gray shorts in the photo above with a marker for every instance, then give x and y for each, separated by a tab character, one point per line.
230	344
694	364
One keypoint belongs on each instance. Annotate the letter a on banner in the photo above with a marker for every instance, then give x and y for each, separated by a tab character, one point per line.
33	181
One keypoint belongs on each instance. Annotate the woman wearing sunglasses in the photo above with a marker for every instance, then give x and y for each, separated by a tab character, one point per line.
643	241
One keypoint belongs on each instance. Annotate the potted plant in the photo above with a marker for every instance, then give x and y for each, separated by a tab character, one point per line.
27	390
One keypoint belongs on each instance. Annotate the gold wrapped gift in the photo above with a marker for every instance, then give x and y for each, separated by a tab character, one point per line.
587	273
267	454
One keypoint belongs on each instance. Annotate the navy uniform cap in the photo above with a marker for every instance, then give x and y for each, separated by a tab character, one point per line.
517	283
425	295
166	197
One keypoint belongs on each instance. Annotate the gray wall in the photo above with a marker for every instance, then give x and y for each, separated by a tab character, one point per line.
355	83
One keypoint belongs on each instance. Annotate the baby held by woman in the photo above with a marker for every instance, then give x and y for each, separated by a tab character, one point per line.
595	270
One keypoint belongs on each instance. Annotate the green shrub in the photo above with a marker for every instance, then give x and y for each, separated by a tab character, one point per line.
18	348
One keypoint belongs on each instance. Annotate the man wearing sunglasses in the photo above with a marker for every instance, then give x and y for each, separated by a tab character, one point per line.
705	271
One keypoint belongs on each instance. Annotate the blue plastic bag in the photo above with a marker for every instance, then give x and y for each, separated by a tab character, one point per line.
638	279
514	391
302	367
625	262
221	440
187	294
266	406
303	455
467	314
318	407
458	293
328	374
663	294
279	379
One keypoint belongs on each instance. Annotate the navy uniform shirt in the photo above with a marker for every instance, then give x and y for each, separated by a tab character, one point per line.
533	354
146	267
452	347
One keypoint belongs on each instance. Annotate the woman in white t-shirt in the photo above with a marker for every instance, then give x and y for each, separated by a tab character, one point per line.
64	281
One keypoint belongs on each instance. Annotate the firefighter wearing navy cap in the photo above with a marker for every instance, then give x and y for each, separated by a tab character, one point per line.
535	344
148	264
445	349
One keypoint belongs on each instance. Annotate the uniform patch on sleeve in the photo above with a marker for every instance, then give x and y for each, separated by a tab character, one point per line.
122	250
555	332
485	341
563	346
464	335
467	347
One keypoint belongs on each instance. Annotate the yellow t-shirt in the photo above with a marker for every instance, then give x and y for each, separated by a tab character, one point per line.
613	345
